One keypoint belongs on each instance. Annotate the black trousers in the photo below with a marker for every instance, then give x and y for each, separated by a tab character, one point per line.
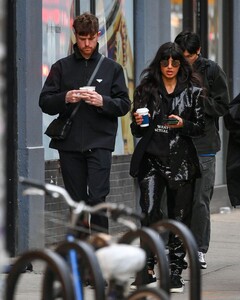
152	184
86	177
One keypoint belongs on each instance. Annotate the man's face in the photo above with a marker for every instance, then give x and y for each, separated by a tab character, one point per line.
87	44
191	58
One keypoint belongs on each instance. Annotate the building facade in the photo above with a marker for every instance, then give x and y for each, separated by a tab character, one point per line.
132	31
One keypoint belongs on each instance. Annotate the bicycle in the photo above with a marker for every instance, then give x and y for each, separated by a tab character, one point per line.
190	244
79	255
117	280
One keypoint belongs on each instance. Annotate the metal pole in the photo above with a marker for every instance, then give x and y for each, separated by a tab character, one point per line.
3	96
188	15
11	130
228	42
202	25
93	7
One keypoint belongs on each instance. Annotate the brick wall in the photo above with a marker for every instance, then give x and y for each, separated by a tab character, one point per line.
122	190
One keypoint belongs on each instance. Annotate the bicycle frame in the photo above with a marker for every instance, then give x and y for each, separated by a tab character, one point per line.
73	248
72	252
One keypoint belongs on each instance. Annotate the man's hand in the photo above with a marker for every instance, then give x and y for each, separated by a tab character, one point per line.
90	97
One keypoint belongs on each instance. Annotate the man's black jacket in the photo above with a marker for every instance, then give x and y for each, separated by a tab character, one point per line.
215	104
92	127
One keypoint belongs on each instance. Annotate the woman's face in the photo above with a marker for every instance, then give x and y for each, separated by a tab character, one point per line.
169	67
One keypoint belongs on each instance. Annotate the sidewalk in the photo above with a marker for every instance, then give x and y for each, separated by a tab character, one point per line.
220	281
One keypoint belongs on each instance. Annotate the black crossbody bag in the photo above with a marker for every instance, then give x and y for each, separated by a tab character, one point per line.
60	127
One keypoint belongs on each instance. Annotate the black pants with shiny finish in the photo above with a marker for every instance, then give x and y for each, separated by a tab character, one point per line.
152	184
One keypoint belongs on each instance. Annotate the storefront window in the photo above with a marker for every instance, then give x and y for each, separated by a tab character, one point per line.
214	30
84	5
116	42
214	24
176	18
57	40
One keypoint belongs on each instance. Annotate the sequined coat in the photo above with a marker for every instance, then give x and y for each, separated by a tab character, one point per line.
183	159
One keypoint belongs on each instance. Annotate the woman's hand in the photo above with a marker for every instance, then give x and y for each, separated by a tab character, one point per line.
178	125
139	118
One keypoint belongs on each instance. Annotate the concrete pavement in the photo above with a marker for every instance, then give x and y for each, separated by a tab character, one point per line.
220	281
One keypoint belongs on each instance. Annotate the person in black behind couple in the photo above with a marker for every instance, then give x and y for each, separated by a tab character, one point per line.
85	154
232	123
208	144
165	156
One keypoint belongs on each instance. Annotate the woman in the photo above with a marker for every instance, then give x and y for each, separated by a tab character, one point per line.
166	157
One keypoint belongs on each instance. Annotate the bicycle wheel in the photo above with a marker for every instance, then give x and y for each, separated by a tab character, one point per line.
55	263
144	293
87	265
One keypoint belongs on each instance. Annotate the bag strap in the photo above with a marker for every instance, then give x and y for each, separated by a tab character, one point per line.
89	83
96	69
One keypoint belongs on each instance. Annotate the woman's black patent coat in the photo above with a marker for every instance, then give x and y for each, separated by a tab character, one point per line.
183	159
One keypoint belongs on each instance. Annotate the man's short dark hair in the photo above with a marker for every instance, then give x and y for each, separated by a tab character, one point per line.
189	41
86	24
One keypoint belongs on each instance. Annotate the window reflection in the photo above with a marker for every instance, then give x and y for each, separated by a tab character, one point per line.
214	11
116	42
213	29
176	18
57	40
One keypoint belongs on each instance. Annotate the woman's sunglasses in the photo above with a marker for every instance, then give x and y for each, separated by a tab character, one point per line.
175	63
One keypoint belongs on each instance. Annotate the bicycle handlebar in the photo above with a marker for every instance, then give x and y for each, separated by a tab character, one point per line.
50	189
116	210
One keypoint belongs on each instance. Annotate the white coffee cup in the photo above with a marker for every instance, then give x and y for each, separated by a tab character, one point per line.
88	88
144	113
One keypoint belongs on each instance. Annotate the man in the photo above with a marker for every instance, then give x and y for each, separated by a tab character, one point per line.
215	105
85	155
